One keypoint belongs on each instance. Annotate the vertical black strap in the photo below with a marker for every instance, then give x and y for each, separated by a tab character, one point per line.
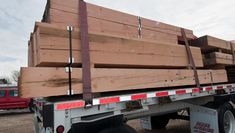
70	59
190	58
86	70
232	48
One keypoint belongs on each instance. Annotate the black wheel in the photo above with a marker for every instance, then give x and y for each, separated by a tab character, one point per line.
226	118
159	122
124	128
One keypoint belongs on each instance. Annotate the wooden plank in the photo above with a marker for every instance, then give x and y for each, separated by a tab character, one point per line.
98	12
71	19
217	58
43	82
116	59
56	30
209	43
63	19
105	50
112	44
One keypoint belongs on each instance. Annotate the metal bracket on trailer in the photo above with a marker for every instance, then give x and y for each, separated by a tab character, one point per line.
86	70
190	58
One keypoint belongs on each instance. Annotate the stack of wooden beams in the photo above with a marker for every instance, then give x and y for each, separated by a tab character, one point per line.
217	52
50	46
62	12
121	58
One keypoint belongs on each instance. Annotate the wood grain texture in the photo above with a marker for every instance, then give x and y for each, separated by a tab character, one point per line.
71	7
99	25
217	58
209	43
43	82
53	49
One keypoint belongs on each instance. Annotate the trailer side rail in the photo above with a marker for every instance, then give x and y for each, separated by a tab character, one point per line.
174	94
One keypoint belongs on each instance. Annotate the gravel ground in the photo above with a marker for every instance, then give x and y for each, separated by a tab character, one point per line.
16	122
22	122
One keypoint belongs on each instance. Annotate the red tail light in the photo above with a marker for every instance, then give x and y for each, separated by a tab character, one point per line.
60	129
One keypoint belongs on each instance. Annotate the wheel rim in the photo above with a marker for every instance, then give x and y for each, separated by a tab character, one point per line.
229	122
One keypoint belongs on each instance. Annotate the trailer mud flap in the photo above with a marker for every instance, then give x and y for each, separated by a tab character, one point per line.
203	120
97	125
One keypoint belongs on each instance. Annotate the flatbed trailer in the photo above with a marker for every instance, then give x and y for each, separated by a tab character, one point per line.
210	109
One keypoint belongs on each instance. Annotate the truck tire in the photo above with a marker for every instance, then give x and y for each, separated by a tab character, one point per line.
124	128
159	122
226	118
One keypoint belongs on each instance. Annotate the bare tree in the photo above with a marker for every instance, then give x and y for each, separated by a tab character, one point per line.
5	80
15	75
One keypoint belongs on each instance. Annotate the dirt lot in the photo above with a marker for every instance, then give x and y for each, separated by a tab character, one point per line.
16	122
22	122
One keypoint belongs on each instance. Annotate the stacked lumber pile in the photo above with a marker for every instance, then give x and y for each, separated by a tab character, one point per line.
51	48
122	56
100	19
217	53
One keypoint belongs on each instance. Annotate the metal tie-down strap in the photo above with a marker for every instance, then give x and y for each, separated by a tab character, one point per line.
86	70
232	48
190	58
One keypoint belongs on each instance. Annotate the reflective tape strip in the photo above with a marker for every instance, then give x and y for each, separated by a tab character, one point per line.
208	88
109	100
180	92
196	90
189	91
132	97
125	98
70	105
138	96
96	102
162	94
171	93
151	95
219	87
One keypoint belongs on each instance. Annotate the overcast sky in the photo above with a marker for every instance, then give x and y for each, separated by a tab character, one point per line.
17	17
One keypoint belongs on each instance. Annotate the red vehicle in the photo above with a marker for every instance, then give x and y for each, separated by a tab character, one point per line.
9	98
